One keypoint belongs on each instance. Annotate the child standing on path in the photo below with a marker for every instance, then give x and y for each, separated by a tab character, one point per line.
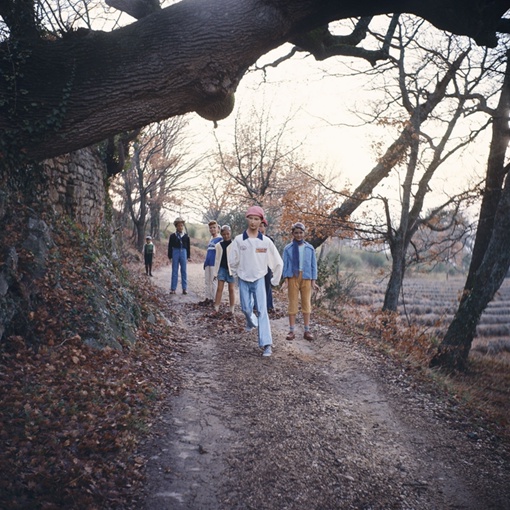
300	273
222	271
251	255
149	250
210	282
179	252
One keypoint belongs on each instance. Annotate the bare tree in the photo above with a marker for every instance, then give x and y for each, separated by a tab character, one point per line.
491	253
160	166
444	239
216	196
258	158
397	151
433	107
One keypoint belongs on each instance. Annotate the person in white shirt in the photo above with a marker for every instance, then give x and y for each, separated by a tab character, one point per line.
251	254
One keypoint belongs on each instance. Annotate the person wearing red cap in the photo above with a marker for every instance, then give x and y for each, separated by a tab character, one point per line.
251	254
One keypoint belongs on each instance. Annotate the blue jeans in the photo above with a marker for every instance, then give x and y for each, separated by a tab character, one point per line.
179	258
224	276
254	293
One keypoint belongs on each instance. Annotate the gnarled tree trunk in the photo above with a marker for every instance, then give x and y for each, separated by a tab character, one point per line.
491	254
454	349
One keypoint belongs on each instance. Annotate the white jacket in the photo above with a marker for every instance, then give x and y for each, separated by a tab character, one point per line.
217	260
250	257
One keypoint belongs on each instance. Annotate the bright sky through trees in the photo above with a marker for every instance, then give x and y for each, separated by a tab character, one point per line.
334	139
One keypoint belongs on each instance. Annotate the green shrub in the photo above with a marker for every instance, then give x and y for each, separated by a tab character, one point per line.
335	285
374	259
349	260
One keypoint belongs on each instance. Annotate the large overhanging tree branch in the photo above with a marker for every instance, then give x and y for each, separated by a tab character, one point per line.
57	95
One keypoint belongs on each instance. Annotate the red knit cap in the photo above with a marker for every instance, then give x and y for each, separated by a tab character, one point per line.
255	210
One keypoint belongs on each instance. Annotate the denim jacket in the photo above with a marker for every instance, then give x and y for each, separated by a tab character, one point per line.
309	262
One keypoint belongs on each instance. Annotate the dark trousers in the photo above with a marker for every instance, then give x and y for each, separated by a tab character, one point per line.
148	263
269	289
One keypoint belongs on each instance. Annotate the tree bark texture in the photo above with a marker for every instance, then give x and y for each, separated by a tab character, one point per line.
65	94
491	253
454	349
496	171
396	277
399	242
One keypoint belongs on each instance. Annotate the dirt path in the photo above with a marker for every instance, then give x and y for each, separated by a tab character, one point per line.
322	425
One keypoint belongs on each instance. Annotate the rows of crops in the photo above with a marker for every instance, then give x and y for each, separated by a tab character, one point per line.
432	302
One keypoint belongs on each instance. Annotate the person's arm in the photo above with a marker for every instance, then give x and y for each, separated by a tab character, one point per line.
170	247
286	265
314	270
217	259
233	257
275	264
188	246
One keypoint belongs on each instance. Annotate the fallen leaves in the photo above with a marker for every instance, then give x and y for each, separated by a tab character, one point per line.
72	417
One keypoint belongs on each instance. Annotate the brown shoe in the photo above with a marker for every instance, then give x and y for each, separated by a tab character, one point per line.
290	336
308	336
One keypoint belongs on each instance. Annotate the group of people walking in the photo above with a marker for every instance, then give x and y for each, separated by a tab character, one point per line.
254	260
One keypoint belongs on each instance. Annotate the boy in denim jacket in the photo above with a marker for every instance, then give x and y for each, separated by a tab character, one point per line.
300	273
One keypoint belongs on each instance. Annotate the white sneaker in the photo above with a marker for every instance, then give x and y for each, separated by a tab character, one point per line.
267	351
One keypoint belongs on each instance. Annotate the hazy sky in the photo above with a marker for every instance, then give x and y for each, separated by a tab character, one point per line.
318	106
322	109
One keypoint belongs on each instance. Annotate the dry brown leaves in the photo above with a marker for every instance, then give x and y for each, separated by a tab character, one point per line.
71	416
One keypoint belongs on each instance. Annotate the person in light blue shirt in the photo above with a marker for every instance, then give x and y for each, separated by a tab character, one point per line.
300	273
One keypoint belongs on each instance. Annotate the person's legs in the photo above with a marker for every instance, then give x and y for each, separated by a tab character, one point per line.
264	333
306	301
232	296
246	296
306	306
293	306
175	269
219	292
210	284
184	270
293	294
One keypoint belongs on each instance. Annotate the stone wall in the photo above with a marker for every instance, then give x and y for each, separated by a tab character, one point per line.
76	187
45	261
